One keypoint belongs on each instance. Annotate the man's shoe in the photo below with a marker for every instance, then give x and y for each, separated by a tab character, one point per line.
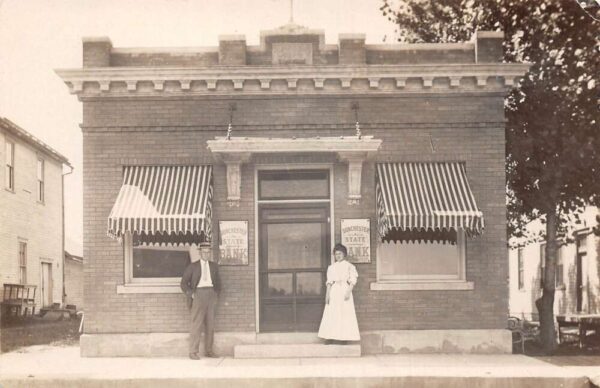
194	356
210	355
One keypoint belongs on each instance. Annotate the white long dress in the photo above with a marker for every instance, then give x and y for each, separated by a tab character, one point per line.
339	318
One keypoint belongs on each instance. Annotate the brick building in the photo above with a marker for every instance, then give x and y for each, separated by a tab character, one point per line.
31	214
398	150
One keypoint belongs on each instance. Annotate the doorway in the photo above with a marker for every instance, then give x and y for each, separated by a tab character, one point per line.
293	249
46	289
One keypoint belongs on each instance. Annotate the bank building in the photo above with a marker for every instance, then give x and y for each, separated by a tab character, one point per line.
274	153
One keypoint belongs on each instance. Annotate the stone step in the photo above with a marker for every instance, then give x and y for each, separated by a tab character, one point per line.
295	351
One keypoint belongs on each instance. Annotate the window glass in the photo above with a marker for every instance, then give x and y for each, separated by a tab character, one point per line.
40	178
294	245
521	269
419	260
309	283
298	184
9	176
279	284
159	262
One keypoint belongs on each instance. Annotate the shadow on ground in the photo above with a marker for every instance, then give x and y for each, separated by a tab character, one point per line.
34	330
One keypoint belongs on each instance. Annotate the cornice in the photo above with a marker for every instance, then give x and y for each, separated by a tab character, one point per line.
249	79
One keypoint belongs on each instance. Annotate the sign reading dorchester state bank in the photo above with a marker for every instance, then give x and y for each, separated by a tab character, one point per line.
233	242
356	236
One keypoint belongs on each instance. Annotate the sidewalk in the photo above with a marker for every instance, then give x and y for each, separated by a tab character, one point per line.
47	366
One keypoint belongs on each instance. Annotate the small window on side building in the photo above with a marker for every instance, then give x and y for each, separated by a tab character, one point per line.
521	269
10	166
40	180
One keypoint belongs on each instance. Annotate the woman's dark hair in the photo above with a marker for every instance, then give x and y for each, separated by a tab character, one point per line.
341	248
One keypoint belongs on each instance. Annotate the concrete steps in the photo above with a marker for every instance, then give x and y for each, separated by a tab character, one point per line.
304	350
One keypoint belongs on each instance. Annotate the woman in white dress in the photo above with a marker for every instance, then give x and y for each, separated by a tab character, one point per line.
339	318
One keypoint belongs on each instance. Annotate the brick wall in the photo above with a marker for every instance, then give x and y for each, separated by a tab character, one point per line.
466	127
25	219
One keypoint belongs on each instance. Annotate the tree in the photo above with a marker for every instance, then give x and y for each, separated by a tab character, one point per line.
552	132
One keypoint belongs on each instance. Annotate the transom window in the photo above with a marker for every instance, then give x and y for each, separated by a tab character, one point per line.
422	259
294	184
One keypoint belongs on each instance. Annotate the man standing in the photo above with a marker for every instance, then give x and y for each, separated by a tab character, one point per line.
200	283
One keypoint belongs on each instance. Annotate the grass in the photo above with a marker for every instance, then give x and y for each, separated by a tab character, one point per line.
18	333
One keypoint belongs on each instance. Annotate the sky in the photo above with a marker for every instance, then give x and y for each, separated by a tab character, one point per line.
38	36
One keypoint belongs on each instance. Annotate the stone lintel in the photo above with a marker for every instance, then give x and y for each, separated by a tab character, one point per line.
237	150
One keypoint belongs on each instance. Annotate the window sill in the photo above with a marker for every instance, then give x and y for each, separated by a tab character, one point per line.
148	289
418	286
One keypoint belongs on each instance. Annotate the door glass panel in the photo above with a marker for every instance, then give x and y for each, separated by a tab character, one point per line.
294	184
279	284
294	245
309	283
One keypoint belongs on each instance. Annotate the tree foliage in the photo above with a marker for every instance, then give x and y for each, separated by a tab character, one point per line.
552	130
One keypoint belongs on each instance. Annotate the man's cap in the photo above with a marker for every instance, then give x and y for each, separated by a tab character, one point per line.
205	244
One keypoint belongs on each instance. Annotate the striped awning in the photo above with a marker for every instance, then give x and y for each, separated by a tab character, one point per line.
432	196
163	201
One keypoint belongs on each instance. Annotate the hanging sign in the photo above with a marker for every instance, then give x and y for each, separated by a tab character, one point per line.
233	242
356	236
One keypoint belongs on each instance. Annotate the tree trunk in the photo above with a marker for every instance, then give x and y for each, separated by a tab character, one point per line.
546	304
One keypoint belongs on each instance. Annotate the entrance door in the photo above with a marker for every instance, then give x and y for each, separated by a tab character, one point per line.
46	292
294	253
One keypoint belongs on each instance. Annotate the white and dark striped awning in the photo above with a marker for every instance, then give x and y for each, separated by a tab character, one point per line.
431	196
163	201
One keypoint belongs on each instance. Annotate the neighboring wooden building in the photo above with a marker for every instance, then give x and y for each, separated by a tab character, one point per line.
31	214
74	280
398	150
577	276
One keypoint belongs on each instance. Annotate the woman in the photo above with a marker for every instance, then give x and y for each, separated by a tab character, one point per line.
339	318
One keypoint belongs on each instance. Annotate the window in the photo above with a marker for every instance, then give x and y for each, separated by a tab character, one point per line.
10	166
559	279
40	180
154	262
296	184
542	264
521	269
422	260
22	262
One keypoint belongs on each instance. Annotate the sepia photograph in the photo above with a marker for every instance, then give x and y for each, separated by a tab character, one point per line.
300	193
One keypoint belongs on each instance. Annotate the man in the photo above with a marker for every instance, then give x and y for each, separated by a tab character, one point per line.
200	283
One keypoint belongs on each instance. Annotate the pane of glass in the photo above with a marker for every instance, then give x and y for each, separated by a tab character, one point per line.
293	184
309	283
40	170
279	284
9	153
427	260
151	262
294	245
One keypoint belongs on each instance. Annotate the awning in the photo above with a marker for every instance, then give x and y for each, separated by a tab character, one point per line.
163	201
421	197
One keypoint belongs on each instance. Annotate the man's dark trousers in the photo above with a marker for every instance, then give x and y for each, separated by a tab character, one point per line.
203	313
